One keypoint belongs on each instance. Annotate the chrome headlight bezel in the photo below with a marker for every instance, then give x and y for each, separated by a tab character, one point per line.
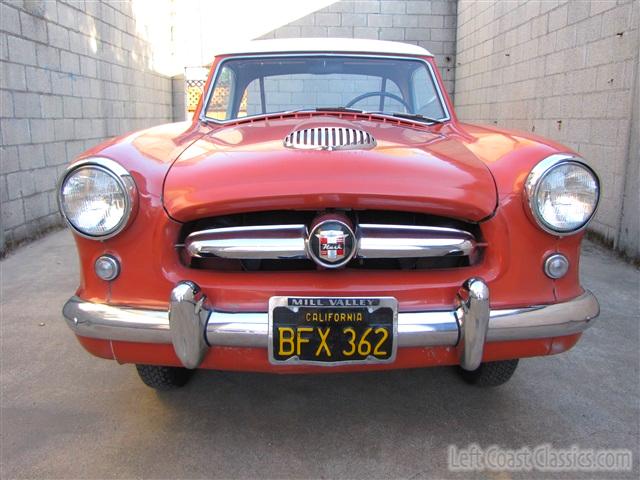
124	181
534	181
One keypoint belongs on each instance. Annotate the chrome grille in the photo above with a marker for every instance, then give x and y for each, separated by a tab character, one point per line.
275	241
329	138
288	241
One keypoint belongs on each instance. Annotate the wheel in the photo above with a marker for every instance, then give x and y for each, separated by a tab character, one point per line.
490	374
163	378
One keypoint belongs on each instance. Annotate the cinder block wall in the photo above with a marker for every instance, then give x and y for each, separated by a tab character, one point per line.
564	70
72	75
178	98
428	23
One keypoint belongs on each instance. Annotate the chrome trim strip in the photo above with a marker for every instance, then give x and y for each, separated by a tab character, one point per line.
406	241
260	242
290	241
207	97
429	328
237	329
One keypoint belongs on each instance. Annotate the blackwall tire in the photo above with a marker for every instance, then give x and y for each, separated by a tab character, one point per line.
490	374
163	378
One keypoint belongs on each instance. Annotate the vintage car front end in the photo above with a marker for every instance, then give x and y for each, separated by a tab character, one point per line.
285	230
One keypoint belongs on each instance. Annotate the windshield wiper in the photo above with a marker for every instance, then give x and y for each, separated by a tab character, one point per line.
410	116
313	109
339	109
415	116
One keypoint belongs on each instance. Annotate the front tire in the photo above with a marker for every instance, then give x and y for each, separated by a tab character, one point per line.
490	374
163	378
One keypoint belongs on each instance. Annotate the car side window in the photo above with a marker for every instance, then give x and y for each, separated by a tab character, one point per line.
220	104
426	100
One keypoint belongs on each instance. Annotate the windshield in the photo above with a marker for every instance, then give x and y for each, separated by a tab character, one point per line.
246	87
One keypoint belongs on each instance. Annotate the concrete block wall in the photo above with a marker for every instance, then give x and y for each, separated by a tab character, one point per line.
628	239
72	74
564	70
428	23
178	98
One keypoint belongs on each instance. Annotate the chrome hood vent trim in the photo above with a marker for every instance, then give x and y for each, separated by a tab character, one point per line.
330	138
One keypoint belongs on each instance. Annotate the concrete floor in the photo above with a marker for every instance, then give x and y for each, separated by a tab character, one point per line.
65	414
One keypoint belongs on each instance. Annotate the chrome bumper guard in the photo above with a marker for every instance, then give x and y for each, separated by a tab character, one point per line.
193	329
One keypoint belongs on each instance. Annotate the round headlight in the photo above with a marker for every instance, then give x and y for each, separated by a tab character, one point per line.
563	194
96	198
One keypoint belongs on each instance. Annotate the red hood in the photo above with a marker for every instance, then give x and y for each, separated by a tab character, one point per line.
246	168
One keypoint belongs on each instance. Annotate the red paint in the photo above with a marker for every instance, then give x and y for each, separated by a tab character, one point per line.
186	171
255	359
397	173
97	347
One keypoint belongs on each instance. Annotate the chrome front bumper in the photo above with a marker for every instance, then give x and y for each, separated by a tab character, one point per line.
192	328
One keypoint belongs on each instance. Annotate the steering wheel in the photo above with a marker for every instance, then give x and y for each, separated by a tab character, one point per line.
379	94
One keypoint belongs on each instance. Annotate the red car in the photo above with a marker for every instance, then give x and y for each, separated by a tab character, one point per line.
325	211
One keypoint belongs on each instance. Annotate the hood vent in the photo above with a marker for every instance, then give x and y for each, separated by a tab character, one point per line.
329	138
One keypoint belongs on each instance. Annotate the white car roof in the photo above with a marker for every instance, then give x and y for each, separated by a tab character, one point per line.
332	45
